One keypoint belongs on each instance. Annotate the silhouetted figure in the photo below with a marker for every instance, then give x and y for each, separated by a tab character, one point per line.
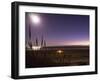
30	44
36	41
42	41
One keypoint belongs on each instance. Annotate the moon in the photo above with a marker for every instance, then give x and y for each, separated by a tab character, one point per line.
35	18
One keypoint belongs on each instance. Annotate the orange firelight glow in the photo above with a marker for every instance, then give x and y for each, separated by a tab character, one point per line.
59	51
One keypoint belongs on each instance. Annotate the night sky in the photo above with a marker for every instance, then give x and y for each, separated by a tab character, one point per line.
59	29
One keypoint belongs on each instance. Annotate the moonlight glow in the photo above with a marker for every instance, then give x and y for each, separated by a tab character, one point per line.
59	29
35	18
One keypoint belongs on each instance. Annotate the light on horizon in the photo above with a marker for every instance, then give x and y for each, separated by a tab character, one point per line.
36	47
70	43
82	43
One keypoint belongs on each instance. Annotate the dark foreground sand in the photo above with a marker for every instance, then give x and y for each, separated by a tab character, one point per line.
49	57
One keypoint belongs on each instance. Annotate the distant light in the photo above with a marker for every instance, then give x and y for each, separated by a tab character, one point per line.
59	51
81	43
36	47
35	18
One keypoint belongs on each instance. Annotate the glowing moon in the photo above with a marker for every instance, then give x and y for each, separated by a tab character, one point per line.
35	18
